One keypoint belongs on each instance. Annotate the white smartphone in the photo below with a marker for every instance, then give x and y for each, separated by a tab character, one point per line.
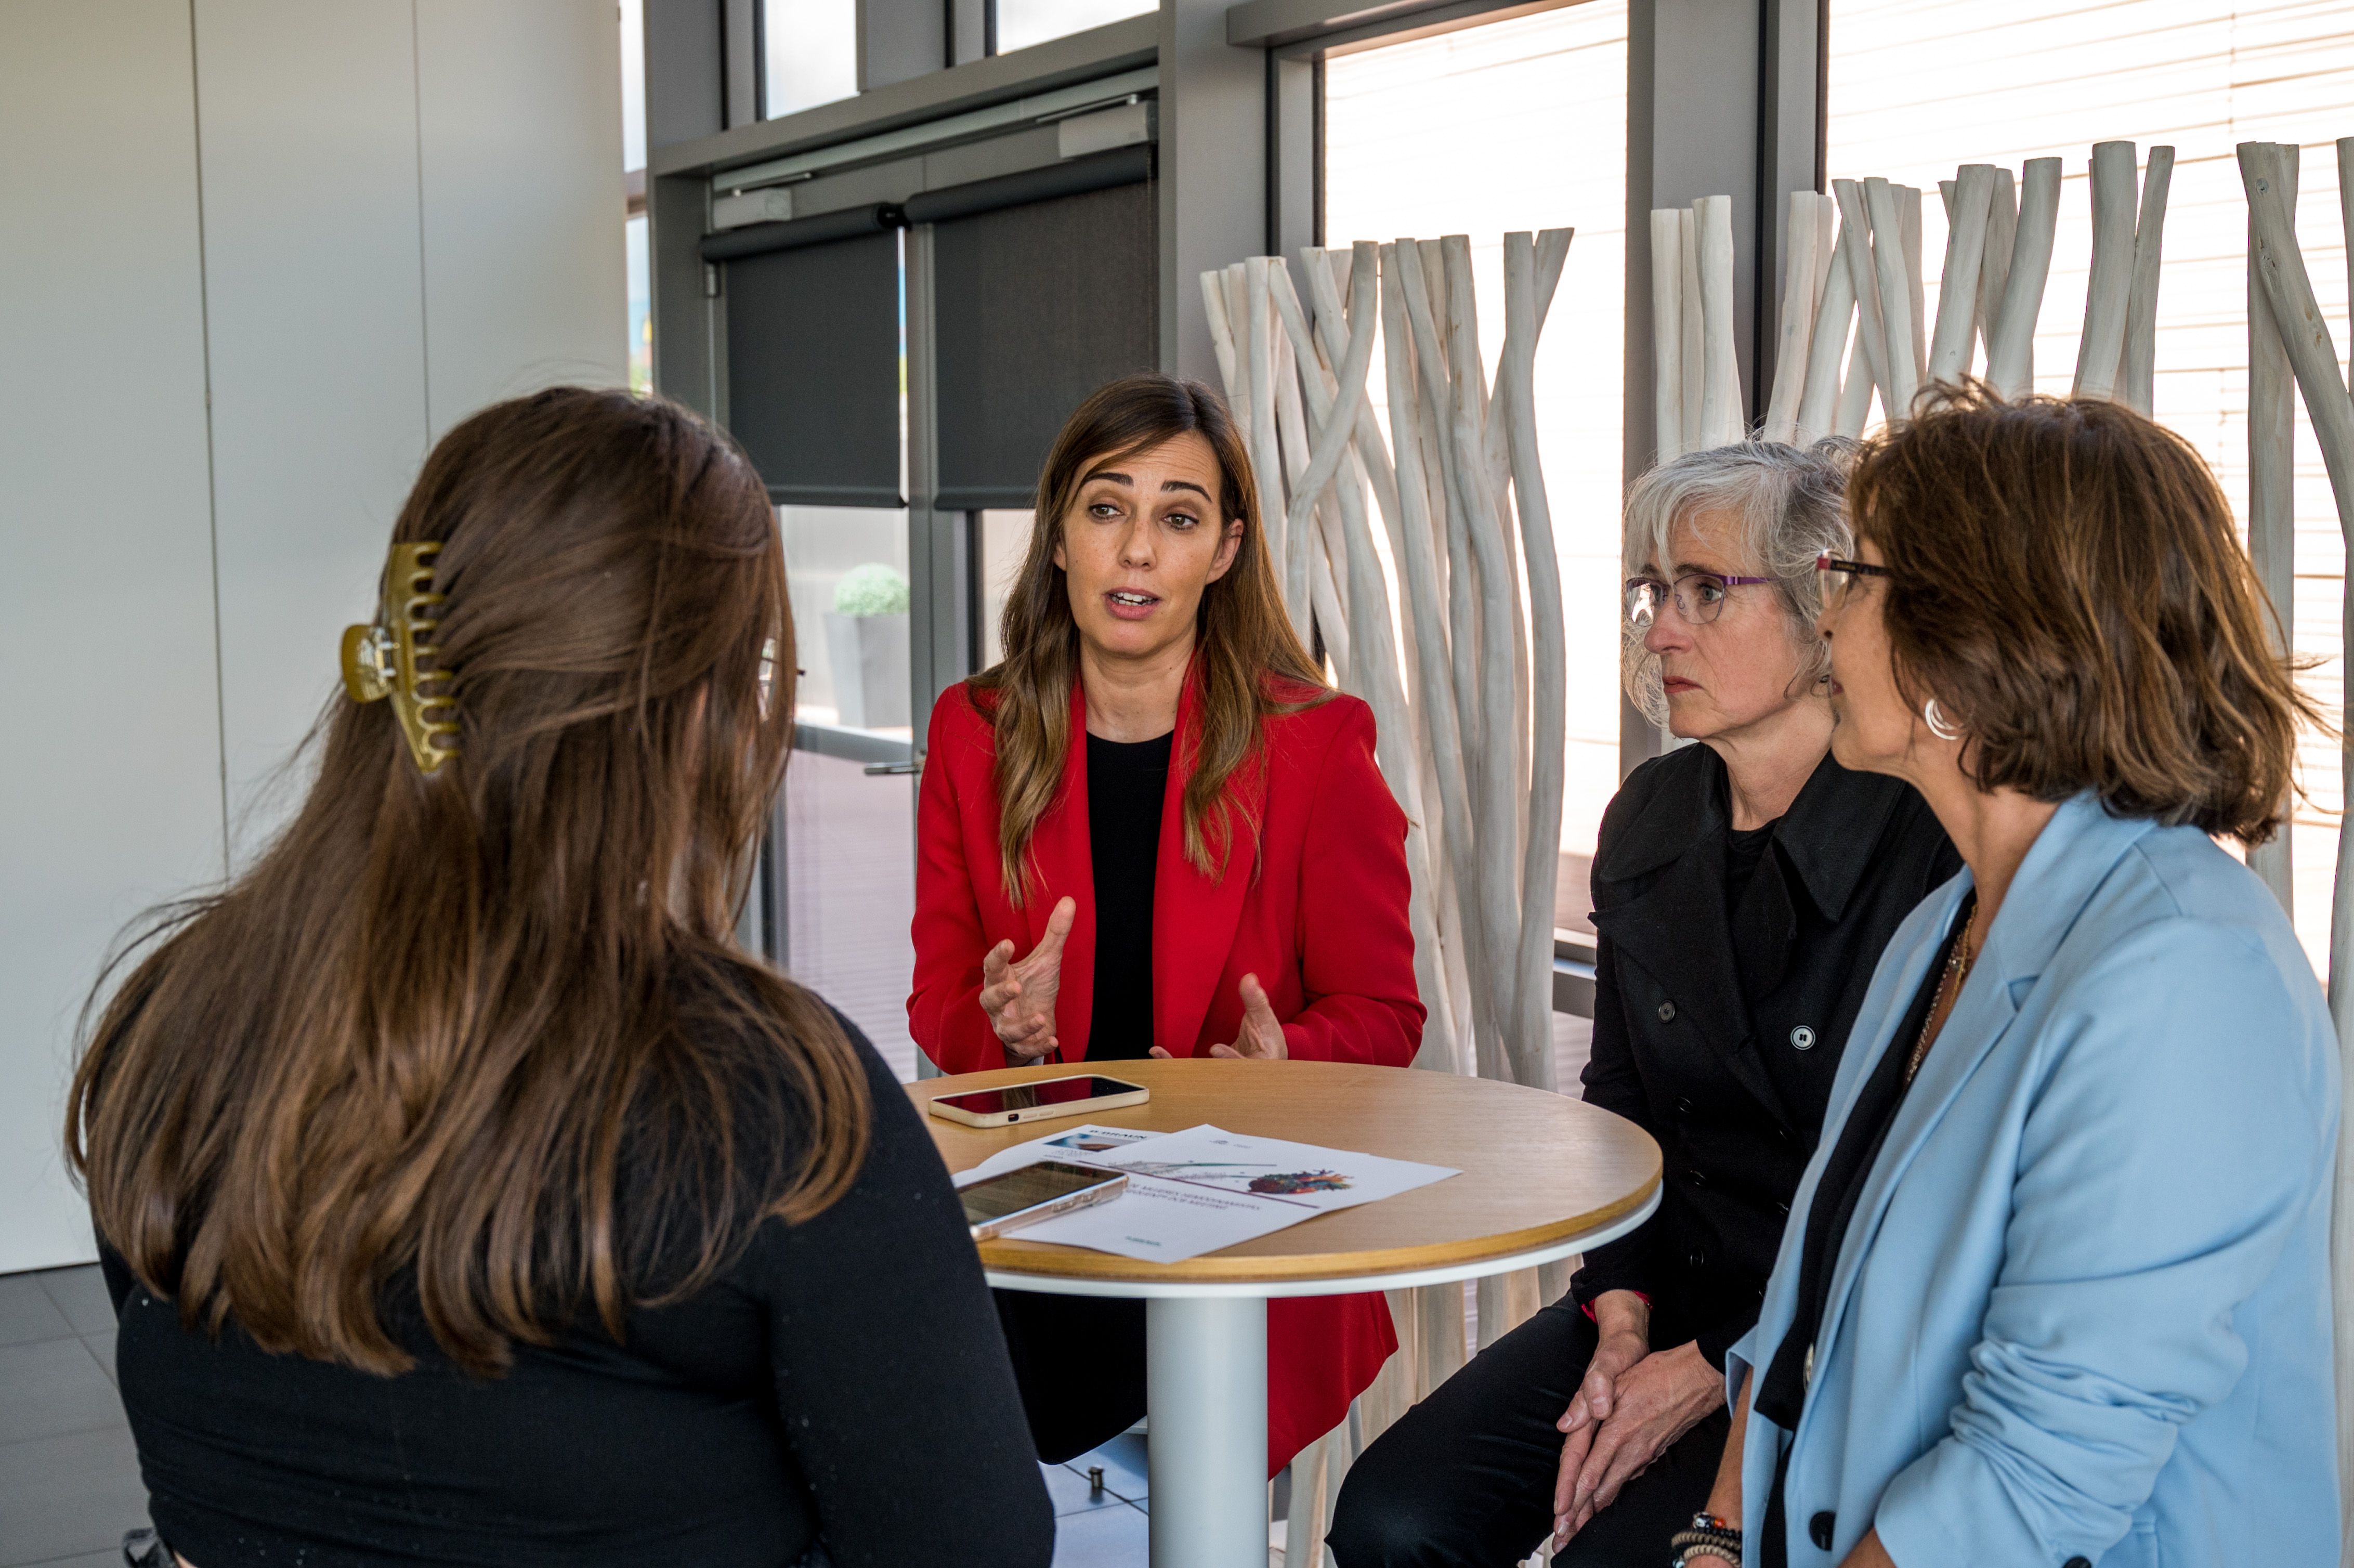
1041	1101
1023	1197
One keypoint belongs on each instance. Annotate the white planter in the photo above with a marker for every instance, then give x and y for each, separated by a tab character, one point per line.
870	668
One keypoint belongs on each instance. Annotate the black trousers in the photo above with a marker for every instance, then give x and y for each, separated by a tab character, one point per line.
1466	1478
1079	1363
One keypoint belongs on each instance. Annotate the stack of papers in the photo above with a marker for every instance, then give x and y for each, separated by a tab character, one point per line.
1194	1191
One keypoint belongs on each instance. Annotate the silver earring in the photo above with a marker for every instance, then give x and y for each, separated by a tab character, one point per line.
1939	725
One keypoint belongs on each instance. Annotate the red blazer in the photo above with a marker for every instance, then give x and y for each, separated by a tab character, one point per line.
1315	906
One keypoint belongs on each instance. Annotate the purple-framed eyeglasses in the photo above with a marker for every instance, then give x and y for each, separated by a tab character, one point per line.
1700	596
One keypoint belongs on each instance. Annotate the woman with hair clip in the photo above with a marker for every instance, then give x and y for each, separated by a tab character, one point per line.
1153	828
2056	1288
467	1195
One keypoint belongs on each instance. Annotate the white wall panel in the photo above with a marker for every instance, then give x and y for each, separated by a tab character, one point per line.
521	155
314	280
112	798
268	204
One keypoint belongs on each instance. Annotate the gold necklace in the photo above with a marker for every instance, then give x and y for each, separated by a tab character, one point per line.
1957	969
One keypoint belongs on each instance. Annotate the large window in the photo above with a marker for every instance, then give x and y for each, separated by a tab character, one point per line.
633	170
849	840
1919	86
1519	124
810	54
1021	23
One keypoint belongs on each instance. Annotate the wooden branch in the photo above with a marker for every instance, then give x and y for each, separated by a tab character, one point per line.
1856	248
2101	350
1668	334
1417	267
1324	285
1495	438
2011	358
1299	556
1882	207
2346	220
1855	391
1834	317
1993	268
1541	855
1494	778
2264	169
1958	284
1415	366
1693	380
1376	651
2138	381
1908	220
1803	267
1334	430
1722	419
1221	343
2272	491
1266	456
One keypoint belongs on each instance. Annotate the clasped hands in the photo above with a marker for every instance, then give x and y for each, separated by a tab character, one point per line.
1018	995
1631	1408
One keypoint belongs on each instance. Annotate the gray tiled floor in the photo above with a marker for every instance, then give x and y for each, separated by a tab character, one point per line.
69	1479
1106	1528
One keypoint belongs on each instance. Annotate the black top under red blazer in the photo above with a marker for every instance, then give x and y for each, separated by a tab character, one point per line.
1718	1029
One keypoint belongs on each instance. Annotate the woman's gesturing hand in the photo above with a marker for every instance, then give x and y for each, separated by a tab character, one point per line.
1649	1406
1020	997
1260	1039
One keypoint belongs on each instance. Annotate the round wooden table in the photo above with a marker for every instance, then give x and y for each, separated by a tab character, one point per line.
1542	1176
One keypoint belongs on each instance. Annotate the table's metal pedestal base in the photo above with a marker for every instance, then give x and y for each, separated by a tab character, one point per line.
1205	1360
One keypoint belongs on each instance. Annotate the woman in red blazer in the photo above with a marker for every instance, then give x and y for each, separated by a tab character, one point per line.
1154	829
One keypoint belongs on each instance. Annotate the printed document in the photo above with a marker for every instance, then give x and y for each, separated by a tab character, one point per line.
1194	1191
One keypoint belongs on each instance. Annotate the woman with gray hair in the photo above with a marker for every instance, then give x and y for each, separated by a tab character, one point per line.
1742	888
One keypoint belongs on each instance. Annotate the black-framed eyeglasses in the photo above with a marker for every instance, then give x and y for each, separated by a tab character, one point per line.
1700	596
1839	574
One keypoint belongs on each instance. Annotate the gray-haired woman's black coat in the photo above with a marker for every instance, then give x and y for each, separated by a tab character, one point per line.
1718	1026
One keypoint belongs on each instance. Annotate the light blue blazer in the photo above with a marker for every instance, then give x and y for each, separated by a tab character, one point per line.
2082	1310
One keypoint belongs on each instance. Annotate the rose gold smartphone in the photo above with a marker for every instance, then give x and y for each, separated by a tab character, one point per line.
1041	1101
1034	1193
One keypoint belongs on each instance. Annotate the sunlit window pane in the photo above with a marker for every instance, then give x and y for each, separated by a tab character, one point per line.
1021	23
641	323
1919	86
634	84
812	53
1005	543
1511	125
847	570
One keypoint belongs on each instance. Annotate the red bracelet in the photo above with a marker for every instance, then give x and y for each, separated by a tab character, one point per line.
1587	1307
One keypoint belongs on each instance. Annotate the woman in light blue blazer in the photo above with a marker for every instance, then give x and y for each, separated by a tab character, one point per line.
2055	1287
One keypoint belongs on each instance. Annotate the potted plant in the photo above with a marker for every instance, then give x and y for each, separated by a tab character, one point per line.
866	636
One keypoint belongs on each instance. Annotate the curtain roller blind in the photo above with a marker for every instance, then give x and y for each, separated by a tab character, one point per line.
1036	306
814	370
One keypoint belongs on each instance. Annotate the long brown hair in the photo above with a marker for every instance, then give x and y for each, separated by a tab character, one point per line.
1247	660
2065	581
490	1026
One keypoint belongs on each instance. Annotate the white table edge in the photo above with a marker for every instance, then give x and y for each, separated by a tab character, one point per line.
1477	1268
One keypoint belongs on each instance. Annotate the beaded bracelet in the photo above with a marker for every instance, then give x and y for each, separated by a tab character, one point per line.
1708	1537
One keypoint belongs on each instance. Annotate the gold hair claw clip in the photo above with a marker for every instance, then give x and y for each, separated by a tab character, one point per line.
380	661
